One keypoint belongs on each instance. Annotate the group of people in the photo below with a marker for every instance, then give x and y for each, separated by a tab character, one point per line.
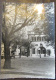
21	51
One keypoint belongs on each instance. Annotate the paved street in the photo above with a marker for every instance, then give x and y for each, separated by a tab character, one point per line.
31	67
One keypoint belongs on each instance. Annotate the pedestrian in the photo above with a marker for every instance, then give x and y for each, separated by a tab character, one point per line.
28	51
20	53
13	53
17	51
42	50
39	51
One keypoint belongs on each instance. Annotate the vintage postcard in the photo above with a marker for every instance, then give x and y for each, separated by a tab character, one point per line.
28	40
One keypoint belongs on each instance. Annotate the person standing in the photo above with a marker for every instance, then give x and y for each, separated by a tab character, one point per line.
17	51
42	50
20	53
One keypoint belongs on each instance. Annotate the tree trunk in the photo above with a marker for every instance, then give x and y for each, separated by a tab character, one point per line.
7	63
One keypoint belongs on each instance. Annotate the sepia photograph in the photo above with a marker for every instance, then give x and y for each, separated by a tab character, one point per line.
28	40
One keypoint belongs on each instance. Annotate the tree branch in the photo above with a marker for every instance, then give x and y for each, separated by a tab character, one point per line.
14	20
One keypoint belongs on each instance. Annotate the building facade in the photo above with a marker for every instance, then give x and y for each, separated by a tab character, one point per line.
35	41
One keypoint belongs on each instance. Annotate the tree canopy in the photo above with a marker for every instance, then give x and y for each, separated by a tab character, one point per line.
18	18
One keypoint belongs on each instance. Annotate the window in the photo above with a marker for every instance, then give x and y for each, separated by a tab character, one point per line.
33	38
38	38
